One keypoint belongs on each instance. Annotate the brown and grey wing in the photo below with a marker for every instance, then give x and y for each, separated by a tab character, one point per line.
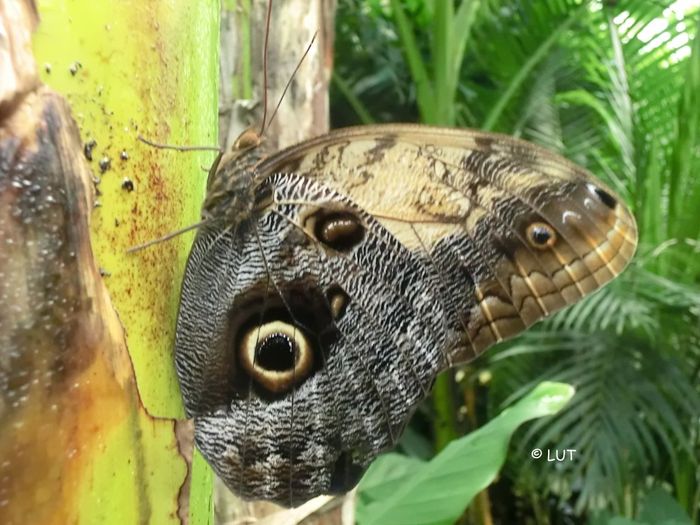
515	231
308	334
305	340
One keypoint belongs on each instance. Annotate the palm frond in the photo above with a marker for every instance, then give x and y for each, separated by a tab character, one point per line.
615	86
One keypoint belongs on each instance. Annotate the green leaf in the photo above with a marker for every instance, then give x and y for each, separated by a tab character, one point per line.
659	507
352	99
622	521
386	475
437	491
617	520
426	94
525	71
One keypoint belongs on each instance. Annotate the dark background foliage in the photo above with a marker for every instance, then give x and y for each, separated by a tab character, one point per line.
615	87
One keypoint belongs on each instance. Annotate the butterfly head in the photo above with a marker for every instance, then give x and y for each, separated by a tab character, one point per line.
231	186
247	140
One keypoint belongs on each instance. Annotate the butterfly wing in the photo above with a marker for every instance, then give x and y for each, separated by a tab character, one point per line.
515	231
309	331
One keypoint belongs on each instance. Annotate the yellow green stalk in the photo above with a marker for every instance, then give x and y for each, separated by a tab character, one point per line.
130	68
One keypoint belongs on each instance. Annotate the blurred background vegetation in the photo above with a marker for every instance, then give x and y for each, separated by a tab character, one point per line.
614	86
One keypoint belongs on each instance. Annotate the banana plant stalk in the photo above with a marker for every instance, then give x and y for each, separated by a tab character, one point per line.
93	427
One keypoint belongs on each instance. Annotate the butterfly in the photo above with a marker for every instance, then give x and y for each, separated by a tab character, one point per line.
329	284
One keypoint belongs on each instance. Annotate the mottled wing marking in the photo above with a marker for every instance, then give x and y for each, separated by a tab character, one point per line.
394	252
478	191
392	338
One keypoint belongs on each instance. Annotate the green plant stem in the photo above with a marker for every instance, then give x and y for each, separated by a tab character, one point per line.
246	78
463	22
684	189
451	33
443	109
424	88
444	424
352	99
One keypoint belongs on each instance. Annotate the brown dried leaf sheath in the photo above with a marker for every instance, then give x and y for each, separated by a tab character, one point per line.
66	381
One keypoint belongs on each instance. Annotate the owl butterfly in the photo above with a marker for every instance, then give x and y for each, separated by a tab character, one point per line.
333	280
329	283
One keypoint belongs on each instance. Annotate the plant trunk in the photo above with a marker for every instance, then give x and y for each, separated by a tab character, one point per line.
303	113
90	401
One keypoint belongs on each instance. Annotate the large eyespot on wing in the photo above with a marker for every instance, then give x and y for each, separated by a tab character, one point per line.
265	419
337	229
276	355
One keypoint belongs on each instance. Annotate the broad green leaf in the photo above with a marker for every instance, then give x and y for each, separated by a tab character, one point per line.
437	491
386	475
622	521
659	507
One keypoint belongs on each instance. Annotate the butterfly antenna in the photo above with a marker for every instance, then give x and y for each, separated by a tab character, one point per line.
267	37
289	82
177	148
167	237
